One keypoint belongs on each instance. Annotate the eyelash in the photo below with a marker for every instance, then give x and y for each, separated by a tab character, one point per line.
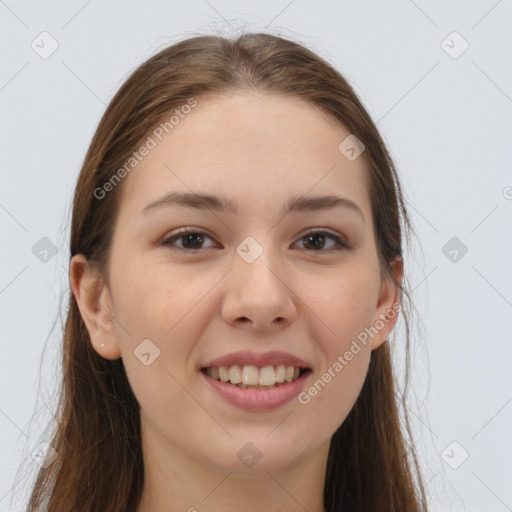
341	244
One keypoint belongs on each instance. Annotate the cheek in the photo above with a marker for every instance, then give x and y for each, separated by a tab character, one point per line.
330	397
345	307
156	304
345	304
345	314
164	309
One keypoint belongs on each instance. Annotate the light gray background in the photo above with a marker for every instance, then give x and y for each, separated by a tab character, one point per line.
446	120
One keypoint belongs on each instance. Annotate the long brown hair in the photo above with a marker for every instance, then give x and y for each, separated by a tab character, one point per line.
97	429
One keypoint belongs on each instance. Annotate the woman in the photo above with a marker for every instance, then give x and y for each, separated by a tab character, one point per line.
236	271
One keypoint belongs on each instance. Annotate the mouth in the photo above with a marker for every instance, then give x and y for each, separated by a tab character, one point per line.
256	377
256	381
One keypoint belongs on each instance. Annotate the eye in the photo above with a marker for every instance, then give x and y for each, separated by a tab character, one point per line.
312	236
192	239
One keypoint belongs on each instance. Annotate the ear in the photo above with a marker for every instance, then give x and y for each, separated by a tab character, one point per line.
93	298
388	306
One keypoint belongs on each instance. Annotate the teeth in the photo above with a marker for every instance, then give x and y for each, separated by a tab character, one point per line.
280	373
267	376
250	375
223	374
235	375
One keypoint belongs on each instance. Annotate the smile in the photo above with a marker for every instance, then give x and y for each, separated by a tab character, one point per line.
275	385
254	377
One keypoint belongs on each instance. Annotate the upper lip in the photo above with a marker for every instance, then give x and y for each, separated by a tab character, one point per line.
248	357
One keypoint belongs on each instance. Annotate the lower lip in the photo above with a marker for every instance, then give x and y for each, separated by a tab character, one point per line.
254	399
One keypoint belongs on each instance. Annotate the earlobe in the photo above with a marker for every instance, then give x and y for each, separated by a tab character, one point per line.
92	297
389	303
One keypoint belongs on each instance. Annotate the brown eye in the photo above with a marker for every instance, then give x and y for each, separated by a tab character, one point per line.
191	240
315	241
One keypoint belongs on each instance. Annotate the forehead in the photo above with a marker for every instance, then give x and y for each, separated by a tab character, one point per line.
260	149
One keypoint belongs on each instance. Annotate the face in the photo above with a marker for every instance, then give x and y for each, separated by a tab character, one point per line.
262	287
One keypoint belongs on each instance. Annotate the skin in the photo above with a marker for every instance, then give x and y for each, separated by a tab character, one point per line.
198	306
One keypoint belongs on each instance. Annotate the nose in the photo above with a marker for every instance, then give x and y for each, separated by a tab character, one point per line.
258	296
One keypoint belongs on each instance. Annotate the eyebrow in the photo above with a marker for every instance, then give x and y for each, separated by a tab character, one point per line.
296	204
